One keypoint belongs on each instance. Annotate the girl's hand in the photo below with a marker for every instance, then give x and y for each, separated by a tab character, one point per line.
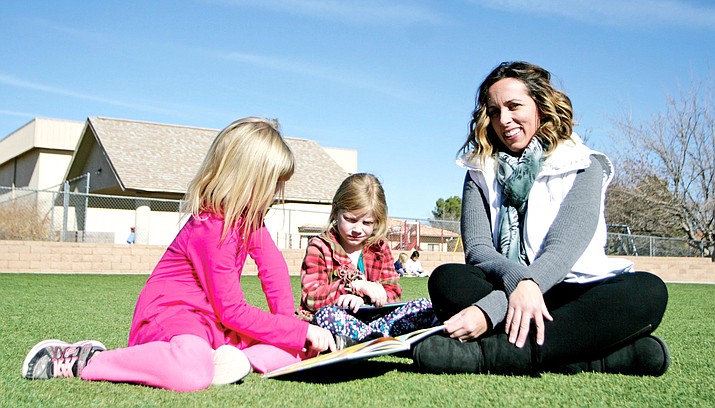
373	290
351	302
526	303
318	339
466	325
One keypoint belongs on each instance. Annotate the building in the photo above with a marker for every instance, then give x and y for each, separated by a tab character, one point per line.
137	172
94	181
37	154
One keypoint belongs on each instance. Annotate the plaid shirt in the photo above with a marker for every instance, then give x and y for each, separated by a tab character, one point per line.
327	272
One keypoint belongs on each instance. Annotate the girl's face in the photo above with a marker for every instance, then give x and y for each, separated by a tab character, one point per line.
513	113
354	229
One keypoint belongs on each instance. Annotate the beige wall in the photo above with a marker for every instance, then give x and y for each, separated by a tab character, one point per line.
55	257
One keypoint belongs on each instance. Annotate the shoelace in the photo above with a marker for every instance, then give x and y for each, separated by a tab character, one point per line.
63	362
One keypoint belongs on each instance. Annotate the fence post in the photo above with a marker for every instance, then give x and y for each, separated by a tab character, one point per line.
52	216
86	209
65	210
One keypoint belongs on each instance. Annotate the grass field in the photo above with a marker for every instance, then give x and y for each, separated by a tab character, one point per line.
75	307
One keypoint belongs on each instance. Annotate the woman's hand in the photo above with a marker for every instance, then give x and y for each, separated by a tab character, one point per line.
318	339
351	302
373	290
526	303
466	325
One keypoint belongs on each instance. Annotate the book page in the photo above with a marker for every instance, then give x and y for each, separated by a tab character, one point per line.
418	335
372	348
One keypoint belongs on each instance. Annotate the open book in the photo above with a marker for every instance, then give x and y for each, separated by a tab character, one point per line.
368	349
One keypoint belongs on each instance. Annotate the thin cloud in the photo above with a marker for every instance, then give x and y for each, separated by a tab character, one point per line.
618	12
18	114
317	71
374	12
46	26
20	83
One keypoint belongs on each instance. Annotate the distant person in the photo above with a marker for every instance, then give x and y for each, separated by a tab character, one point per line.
351	265
400	264
132	236
537	292
413	266
192	326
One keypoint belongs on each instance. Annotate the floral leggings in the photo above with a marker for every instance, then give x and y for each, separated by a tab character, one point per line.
414	315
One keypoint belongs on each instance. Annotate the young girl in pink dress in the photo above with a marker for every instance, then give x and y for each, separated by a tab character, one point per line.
192	326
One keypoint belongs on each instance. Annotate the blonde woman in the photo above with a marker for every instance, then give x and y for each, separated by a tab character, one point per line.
538	292
192	326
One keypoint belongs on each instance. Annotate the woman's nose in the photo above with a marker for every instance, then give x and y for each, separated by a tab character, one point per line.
505	117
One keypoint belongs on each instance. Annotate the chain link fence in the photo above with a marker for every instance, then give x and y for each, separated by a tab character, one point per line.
27	214
65	216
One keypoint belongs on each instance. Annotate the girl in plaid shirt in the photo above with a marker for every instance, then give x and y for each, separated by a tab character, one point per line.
351	265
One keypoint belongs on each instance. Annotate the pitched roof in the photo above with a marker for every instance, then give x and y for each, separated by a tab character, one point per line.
164	158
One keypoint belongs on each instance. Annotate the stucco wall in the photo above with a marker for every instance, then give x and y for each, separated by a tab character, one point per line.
55	257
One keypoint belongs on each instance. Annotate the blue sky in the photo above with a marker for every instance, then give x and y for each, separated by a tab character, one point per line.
394	80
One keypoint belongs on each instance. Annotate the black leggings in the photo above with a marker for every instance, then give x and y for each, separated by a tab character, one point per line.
590	320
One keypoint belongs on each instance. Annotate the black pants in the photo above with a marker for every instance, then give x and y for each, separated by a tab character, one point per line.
590	320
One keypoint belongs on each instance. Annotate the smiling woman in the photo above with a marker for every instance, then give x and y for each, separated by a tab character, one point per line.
538	292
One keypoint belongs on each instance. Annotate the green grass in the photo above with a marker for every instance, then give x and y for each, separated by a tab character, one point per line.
76	307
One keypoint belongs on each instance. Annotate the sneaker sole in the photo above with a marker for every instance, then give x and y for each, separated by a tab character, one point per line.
230	365
53	342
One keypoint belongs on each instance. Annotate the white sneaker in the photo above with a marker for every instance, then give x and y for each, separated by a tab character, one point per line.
56	358
230	365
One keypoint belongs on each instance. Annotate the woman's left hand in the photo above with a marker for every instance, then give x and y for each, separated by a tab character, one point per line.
526	303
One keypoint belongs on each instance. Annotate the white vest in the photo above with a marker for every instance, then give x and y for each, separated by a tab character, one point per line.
552	184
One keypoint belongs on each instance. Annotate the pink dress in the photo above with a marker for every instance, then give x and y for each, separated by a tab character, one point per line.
193	303
196	289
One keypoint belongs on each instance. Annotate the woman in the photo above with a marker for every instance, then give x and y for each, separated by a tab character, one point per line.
537	292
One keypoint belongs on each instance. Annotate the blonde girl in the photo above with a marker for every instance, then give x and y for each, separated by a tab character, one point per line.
192	326
351	265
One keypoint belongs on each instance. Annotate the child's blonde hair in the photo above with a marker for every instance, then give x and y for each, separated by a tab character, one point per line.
245	168
361	193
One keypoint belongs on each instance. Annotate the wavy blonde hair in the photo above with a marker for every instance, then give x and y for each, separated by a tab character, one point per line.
361	193
245	168
554	106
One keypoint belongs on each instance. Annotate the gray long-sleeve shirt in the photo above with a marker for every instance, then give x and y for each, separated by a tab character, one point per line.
568	237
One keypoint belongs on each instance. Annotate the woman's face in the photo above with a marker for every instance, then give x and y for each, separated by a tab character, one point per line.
513	113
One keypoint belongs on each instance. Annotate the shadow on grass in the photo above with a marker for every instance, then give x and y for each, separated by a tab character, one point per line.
348	371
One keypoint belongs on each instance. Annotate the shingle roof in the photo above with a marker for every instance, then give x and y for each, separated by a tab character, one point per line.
164	158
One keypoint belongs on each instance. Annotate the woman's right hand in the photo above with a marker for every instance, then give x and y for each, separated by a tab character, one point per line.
526	302
318	339
467	325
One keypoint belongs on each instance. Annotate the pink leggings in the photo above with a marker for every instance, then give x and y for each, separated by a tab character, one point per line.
185	363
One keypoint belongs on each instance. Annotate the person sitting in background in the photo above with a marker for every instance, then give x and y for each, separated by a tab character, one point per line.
413	267
400	264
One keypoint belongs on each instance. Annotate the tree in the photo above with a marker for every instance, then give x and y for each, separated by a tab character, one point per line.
448	210
667	168
447	213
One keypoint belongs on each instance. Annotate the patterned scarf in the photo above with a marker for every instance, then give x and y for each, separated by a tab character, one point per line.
516	175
